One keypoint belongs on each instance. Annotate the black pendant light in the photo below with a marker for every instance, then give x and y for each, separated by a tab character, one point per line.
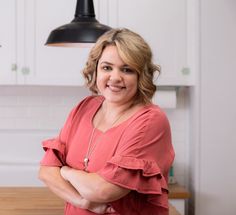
84	29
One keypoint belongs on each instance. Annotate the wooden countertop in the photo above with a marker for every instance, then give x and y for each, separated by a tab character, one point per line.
29	201
41	201
178	192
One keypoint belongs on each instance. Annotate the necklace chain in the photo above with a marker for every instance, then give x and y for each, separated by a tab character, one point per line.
91	146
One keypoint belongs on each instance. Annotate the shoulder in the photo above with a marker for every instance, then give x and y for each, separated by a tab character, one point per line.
91	100
89	103
147	134
148	123
158	116
151	115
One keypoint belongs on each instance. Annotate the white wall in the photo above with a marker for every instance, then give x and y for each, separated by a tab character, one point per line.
30	114
213	168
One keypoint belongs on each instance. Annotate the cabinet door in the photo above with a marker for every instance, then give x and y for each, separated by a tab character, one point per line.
163	24
50	65
7	42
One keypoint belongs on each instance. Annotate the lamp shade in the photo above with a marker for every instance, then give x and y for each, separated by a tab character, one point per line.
83	29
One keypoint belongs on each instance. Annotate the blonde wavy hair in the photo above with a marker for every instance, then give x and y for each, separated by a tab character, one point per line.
134	51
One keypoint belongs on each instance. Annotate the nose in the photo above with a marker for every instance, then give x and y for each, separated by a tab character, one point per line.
115	75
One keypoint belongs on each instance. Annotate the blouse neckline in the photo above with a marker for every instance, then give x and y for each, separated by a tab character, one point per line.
101	100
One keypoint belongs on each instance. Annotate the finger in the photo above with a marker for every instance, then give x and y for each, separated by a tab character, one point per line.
110	209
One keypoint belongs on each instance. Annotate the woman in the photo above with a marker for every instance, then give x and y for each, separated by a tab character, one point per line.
114	152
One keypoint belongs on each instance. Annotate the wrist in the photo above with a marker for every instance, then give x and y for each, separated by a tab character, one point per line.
82	203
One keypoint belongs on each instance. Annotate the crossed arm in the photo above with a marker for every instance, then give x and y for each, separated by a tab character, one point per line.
92	186
82	189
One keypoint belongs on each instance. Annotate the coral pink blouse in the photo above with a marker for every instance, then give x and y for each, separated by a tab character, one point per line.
135	154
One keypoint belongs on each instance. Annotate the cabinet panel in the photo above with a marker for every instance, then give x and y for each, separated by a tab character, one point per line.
163	24
7	42
51	65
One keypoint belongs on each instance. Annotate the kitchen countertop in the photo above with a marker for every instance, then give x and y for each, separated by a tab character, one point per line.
177	191
40	200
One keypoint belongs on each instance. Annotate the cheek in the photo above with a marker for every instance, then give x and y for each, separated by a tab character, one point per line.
133	83
132	87
100	80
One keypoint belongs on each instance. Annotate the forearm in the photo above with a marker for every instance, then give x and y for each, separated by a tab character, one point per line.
52	178
93	187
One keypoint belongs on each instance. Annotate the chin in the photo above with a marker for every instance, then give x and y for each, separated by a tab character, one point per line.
117	100
113	99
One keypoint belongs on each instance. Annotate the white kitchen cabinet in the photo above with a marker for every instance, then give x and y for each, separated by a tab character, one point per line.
50	65
26	60
7	42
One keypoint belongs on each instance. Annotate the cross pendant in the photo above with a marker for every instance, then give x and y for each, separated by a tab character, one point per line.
86	160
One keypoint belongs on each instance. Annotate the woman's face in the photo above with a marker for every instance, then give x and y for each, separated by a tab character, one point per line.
116	81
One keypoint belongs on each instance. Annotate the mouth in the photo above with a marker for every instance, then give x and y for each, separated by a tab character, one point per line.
115	88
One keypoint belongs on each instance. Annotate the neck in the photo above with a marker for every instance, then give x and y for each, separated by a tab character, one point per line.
111	109
110	115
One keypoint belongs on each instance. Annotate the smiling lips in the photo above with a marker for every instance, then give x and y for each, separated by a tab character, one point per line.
115	88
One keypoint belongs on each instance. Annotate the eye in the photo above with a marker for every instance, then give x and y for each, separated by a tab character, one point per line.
106	68
127	70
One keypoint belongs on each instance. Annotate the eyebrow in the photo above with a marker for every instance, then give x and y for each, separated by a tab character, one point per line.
106	62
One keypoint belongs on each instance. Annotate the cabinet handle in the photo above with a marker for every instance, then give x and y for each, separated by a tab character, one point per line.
186	71
14	67
25	70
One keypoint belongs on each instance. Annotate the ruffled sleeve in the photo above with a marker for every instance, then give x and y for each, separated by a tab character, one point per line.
143	176
139	175
55	148
141	163
54	153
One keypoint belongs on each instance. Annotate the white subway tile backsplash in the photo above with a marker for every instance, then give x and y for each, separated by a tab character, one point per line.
71	100
19	123
24	175
29	100
30	114
40	111
51	123
62	111
22	146
52	100
14	111
6	100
